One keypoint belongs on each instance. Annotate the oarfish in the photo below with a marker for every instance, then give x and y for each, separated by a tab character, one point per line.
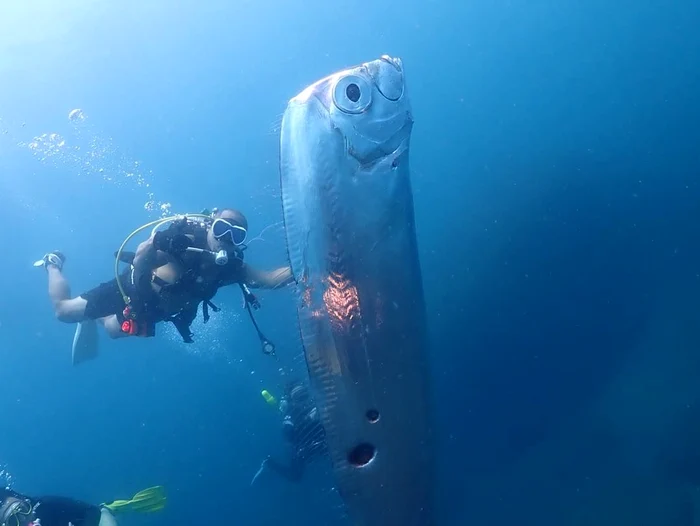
350	231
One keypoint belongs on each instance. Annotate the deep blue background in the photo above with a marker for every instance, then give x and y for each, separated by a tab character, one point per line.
556	161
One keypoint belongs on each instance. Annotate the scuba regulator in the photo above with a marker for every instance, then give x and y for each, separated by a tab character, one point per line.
220	257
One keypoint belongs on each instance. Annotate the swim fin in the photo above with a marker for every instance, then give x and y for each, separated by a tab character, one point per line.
145	501
85	342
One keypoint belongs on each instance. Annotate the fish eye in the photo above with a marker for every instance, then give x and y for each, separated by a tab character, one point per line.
352	94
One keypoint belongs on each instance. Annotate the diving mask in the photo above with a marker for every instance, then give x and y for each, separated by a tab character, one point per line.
226	229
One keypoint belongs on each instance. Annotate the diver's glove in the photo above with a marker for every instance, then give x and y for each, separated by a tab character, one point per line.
171	242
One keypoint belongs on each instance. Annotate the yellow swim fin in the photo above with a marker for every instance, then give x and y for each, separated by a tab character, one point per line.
145	501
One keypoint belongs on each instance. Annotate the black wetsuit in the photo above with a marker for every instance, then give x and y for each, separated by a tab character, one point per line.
50	510
106	299
306	435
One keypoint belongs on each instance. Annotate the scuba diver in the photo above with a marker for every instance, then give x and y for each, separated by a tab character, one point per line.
302	429
20	510
169	275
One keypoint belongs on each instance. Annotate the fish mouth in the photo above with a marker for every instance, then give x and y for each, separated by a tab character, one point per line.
395	61
387	74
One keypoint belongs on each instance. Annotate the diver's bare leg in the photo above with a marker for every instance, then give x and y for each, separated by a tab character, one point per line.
112	326
67	309
59	289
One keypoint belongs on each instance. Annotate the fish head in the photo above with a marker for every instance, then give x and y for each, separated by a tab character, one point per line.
368	108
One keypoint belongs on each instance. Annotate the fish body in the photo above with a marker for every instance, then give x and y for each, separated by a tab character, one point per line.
351	240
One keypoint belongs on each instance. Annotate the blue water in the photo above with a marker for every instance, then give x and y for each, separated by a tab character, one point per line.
556	165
